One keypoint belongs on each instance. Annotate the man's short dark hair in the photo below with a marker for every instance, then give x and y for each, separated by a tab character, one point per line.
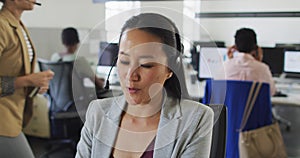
70	36
245	40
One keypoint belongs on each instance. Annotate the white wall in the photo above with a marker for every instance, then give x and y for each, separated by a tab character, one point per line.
185	23
171	9
269	30
62	13
84	14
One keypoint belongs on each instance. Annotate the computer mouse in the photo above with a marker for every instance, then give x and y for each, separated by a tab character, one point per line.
280	94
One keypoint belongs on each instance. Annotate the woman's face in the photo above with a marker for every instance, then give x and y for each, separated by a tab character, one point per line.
141	66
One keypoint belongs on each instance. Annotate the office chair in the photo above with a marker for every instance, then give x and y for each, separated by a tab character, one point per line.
65	123
218	146
234	94
281	120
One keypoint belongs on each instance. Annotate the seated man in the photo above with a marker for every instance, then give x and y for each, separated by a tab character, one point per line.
246	64
70	40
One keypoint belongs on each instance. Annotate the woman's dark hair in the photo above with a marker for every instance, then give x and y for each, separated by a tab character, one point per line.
167	31
245	40
2	1
69	36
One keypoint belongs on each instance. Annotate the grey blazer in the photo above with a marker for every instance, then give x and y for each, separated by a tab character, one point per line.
184	130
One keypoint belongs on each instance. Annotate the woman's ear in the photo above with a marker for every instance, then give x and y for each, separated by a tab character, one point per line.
169	74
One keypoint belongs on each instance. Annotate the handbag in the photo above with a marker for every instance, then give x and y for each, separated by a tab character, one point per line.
39	125
263	142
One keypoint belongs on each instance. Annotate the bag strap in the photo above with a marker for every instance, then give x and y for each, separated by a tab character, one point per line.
250	103
250	95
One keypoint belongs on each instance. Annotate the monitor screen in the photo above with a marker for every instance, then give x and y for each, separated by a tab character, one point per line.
108	53
103	71
195	49
291	62
274	58
211	61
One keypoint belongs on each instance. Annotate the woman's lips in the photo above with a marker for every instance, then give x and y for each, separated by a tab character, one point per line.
133	90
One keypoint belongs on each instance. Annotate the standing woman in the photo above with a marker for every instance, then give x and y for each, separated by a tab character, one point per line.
154	117
17	80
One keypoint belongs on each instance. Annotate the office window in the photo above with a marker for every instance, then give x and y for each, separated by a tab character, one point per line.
191	7
190	23
116	13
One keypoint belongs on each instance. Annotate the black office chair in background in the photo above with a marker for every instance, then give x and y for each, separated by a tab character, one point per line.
218	146
65	123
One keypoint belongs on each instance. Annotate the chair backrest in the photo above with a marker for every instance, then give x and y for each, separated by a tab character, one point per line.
234	95
60	87
218	146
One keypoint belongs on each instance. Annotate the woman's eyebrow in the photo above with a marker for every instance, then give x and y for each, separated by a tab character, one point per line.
146	56
142	56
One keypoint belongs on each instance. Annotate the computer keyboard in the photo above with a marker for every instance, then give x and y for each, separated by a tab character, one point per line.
293	76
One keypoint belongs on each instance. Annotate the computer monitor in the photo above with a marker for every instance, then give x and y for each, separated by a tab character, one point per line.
274	58
291	63
288	46
107	56
108	53
211	61
195	49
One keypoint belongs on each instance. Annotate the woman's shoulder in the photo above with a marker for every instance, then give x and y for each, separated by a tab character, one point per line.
188	105
101	105
187	110
97	109
100	109
196	115
5	27
105	106
196	111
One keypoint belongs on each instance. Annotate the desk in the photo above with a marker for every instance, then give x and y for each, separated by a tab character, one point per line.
291	99
289	87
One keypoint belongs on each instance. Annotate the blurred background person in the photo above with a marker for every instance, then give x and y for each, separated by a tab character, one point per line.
17	80
245	60
70	39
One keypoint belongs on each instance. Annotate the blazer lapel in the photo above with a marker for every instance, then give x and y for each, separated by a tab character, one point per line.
110	127
107	136
16	24
167	129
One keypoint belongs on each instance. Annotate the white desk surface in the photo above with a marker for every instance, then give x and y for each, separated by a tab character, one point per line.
291	100
289	87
